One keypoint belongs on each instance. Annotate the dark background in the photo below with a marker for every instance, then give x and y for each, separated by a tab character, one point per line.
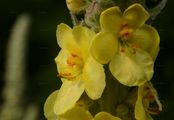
42	48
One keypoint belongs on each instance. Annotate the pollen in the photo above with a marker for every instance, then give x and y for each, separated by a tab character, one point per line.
63	74
126	32
66	76
71	61
122	50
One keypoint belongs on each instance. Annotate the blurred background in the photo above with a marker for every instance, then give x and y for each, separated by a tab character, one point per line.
41	48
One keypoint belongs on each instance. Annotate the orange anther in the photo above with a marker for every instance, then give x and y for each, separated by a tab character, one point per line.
122	50
126	32
66	76
71	60
63	74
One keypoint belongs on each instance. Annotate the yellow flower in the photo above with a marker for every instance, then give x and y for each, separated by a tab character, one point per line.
147	102
75	6
78	70
126	42
75	113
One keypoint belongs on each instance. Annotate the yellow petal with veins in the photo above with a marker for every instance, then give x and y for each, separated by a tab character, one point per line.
68	95
65	38
111	19
136	15
83	37
103	47
94	78
132	69
147	38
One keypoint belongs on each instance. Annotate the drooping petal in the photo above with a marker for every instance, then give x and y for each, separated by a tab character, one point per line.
68	95
76	113
147	38
150	100
94	78
49	105
103	47
140	113
111	19
65	38
105	116
83	37
132	69
136	15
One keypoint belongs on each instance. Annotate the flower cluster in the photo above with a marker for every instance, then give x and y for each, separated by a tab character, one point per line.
128	46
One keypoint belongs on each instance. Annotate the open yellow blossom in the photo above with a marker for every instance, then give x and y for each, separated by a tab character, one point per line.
77	68
127	43
147	103
75	113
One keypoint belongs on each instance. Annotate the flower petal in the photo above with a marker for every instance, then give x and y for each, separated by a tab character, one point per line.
83	37
61	60
94	78
68	95
136	15
105	116
147	38
48	106
140	113
132	69
111	19
76	113
154	53
65	38
104	47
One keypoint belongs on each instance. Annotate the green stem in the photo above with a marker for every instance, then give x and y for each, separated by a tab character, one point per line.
113	94
74	19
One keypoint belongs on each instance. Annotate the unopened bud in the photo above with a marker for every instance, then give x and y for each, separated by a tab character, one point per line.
122	110
76	6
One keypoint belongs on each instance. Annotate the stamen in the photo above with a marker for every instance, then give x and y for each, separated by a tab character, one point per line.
122	50
71	61
125	32
134	48
74	67
66	76
74	55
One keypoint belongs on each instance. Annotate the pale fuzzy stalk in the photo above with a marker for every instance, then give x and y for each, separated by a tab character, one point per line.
156	96
15	76
157	9
74	19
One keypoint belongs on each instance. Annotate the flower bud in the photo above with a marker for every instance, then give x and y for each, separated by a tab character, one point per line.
76	6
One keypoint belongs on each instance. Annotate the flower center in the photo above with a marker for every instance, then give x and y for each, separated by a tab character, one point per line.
126	32
75	61
74	67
